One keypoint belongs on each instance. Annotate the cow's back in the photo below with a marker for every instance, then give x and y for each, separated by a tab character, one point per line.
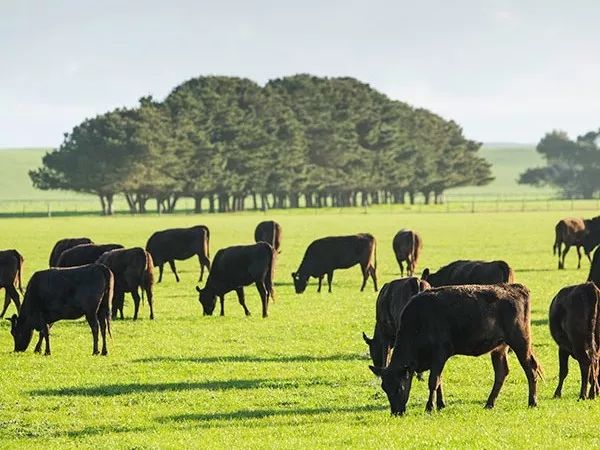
65	244
392	299
335	252
84	254
472	272
268	231
177	243
571	230
239	265
128	266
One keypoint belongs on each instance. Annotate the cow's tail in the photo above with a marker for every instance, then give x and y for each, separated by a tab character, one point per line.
416	248
20	270
107	296
374	254
271	274
206	243
147	274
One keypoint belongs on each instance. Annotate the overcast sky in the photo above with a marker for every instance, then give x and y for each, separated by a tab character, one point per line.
507	71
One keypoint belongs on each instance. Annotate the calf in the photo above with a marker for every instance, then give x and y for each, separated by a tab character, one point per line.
470	272
11	266
132	269
84	254
407	245
57	294
177	244
575	326
325	255
392	299
595	269
65	244
236	267
459	320
269	231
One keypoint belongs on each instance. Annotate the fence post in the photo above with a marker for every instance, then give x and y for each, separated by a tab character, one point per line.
49	211
472	206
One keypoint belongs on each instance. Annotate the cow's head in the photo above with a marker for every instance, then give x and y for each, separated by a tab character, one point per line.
590	241
21	333
375	350
207	299
396	384
300	282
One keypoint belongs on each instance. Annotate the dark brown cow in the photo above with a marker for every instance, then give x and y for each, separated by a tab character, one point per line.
132	269
407	245
65	244
569	231
591	239
325	255
11	266
178	244
392	299
575	326
269	231
57	294
470	272
84	254
595	269
459	320
236	267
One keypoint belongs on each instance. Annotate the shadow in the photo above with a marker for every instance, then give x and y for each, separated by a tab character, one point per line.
110	390
535	270
250	358
99	430
204	419
540	322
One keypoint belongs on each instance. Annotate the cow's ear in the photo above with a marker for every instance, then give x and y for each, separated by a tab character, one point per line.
198	289
13	321
425	274
366	339
424	285
376	370
293	274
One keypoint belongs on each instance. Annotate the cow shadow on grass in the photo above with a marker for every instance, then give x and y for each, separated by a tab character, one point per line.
252	358
539	322
111	390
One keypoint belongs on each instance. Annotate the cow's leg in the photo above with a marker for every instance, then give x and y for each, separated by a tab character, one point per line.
6	302
45	332
530	366
435	380
585	367
15	298
400	263
94	325
559	251
162	266
500	364
329	280
102	318
204	262
320	282
563	370
222	301
440	397
578	248
593	380
365	274
118	301
38	346
373	273
242	300
150	298
264	297
136	303
564	255
174	269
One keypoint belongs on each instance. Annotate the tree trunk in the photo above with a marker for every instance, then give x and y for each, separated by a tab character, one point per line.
103	205
211	202
109	204
427	195
131	203
198	203
411	196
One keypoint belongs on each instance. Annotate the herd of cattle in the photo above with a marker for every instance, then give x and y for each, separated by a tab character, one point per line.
465	308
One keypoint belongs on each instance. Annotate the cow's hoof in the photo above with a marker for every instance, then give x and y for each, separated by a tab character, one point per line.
489	406
104	353
47	353
95	353
151	317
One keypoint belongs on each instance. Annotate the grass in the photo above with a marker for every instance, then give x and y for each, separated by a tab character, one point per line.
298	379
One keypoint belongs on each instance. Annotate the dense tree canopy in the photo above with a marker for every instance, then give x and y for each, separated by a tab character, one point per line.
299	140
571	166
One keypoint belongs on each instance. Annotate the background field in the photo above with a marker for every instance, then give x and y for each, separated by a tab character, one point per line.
298	379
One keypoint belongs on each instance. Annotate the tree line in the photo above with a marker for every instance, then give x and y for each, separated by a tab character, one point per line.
228	142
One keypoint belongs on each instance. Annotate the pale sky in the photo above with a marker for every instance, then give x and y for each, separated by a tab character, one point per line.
507	71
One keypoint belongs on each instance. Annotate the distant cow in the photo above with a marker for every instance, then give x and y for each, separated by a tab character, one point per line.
325	255
269	231
11	265
459	320
65	244
575	326
569	231
470	272
592	236
177	244
595	269
84	254
236	267
392	299
132	269
64	293
407	245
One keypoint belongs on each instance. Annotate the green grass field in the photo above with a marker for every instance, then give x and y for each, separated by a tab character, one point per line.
298	379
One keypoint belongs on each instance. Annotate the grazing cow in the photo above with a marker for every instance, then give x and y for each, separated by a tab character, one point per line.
177	244
64	293
591	239
392	299
269	231
84	254
325	255
236	267
575	326
569	231
595	269
132	269
470	272
65	244
11	265
407	245
459	320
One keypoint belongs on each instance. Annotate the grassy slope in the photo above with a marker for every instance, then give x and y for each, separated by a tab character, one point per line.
298	379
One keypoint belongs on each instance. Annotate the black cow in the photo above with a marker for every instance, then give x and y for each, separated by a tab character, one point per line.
592	237
84	254
392	299
236	267
459	320
132	269
11	267
65	244
64	293
325	255
178	244
407	245
595	269
269	231
575	326
470	272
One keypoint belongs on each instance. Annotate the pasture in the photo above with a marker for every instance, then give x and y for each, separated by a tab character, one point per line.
298	379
